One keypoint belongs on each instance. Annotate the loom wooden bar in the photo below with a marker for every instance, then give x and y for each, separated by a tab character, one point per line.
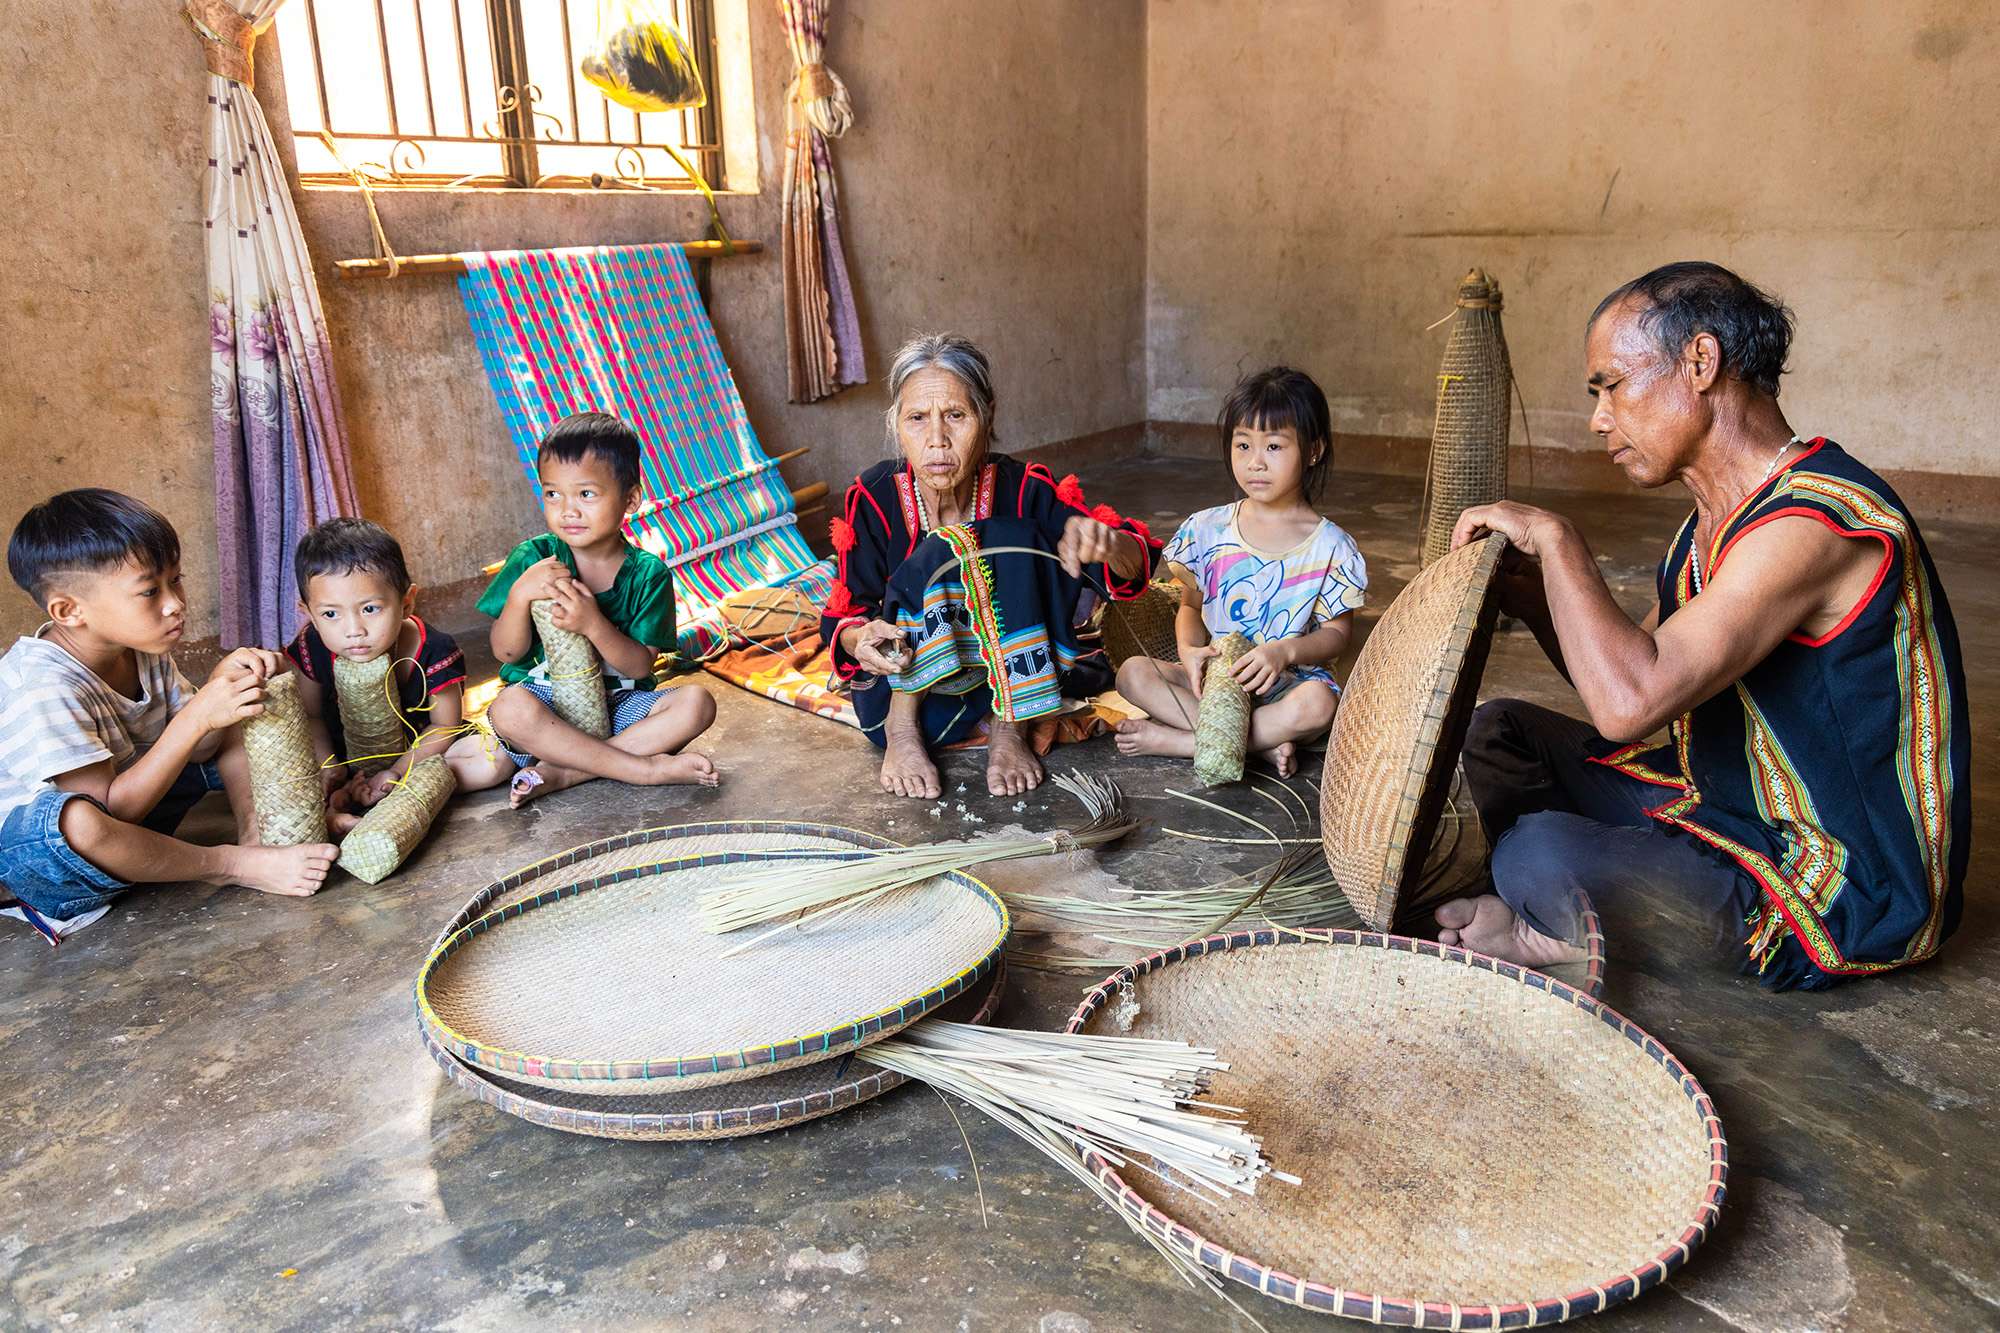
424	265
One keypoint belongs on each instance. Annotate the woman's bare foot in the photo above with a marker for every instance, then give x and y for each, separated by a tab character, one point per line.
907	769
291	872
1487	925
1145	736
1011	767
1284	758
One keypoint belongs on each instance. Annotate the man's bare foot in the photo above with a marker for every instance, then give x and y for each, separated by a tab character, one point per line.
538	780
1011	767
907	769
687	768
1145	736
291	872
1487	925
1284	758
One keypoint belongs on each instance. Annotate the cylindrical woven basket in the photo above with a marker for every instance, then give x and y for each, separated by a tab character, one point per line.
610	986
1222	727
284	776
1480	1146
371	720
1143	626
1468	463
755	1106
389	832
576	676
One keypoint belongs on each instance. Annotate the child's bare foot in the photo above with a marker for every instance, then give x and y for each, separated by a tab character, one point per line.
907	769
292	872
1144	736
1011	767
1284	758
1487	925
688	768
340	822
538	780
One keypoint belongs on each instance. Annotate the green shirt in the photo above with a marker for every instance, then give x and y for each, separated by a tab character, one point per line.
640	602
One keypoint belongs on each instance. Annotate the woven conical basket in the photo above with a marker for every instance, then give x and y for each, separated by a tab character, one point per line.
1479	1145
387	834
576	676
1401	724
284	776
1468	463
1143	626
371	720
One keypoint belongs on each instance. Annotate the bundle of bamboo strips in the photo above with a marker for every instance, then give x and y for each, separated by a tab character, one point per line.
818	888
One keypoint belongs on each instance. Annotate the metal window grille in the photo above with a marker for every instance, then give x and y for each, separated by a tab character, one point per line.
443	93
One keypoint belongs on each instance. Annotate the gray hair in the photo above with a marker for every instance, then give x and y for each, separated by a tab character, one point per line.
950	352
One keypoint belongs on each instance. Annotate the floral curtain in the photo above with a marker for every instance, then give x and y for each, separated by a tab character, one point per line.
281	460
822	331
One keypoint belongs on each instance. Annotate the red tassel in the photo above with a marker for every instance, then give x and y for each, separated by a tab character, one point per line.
1070	492
842	534
839	603
1106	515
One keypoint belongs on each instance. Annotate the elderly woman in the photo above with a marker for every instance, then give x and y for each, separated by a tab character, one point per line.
943	617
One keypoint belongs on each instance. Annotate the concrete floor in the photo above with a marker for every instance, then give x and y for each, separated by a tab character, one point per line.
214	1111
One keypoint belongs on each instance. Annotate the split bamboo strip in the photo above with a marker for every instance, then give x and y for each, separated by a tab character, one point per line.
1222	728
576	678
284	776
387	834
371	722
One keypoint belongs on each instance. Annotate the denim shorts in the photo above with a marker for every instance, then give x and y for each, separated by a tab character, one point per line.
39	867
625	706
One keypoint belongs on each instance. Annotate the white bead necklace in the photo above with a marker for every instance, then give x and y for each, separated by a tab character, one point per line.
1694	547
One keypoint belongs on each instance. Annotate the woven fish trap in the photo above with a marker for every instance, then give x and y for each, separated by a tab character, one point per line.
754	1106
1468	463
609	985
1143	626
1396	738
1481	1146
1222	727
388	833
284	773
575	673
371	719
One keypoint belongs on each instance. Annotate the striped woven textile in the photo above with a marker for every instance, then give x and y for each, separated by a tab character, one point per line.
622	329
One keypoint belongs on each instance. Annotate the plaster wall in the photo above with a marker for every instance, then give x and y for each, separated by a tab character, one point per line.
1355	157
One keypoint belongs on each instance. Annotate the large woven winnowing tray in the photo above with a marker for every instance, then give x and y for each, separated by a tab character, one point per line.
1479	1145
1401	724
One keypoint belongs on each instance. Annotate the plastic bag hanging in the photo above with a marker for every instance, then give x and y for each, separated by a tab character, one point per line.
641	60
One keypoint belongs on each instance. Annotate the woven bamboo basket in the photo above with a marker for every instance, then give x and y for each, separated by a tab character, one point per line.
755	1106
576	676
1143	626
387	834
1468	463
1401	725
1222	727
631	995
284	775
1481	1146
371	719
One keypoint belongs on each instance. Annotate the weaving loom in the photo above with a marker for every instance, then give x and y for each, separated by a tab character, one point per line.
623	330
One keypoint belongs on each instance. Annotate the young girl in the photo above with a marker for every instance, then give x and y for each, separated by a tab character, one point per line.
1267	567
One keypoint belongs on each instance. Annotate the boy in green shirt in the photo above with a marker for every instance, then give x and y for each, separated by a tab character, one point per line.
614	594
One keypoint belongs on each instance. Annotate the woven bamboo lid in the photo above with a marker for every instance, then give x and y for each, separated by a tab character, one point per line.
1479	1146
1401	724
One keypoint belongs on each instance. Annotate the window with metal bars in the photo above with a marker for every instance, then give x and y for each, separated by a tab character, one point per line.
446	93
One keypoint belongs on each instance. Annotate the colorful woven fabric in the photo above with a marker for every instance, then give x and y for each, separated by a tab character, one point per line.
622	330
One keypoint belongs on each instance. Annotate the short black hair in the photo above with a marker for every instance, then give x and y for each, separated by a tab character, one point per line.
581	434
87	531
1272	399
1752	327
344	545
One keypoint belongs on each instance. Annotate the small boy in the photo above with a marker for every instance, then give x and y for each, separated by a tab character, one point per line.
104	745
359	605
614	594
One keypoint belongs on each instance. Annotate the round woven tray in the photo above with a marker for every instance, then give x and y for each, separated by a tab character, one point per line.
600	980
754	1106
1481	1146
1401	724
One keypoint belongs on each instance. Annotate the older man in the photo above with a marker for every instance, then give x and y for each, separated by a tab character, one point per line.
1812	794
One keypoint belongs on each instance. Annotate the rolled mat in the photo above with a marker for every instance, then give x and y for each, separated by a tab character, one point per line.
576	677
370	719
373	849
284	777
1222	729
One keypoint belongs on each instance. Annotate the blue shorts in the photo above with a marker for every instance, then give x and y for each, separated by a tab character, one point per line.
40	867
625	706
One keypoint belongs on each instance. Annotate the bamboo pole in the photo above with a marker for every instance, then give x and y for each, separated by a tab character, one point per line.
440	265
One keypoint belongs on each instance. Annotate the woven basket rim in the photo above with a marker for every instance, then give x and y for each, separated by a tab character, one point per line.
1407	1311
696	1126
857	1031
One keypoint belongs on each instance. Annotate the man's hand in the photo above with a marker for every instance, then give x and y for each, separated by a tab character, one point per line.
538	581
1194	660
1261	668
1533	532
1085	541
259	663
228	698
575	609
879	648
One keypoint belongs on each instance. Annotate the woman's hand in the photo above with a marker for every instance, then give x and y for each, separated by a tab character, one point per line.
1260	669
1085	541
878	646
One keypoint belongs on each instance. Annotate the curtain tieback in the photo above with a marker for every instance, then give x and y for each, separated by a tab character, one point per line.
818	92
226	38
